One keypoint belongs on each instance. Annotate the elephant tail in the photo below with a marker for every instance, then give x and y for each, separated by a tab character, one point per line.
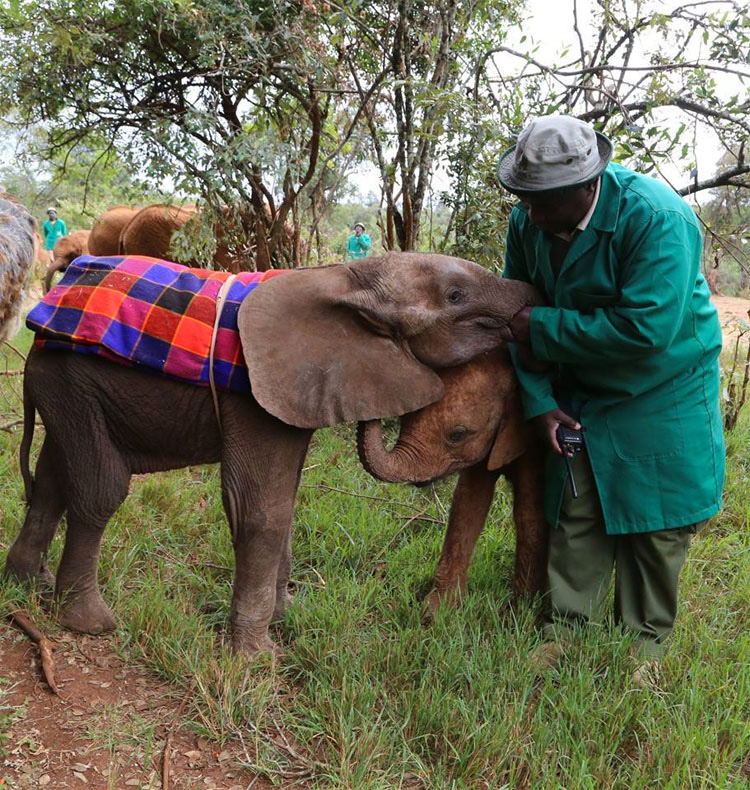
29	414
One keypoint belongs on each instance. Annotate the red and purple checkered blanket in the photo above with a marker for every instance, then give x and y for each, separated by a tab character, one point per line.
146	312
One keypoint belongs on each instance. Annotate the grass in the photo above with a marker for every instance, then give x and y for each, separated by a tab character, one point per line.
366	697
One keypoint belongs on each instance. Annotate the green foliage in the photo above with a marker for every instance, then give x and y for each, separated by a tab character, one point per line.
80	186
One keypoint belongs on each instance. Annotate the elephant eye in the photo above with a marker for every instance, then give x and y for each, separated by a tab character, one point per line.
458	434
456	295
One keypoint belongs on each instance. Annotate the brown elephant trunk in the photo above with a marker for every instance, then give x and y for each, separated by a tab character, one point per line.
391	467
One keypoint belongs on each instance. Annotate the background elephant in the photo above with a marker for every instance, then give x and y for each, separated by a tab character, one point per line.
150	232
66	249
17	230
107	228
477	427
322	346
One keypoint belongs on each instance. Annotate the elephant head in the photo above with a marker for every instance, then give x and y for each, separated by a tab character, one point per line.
66	250
362	341
478	417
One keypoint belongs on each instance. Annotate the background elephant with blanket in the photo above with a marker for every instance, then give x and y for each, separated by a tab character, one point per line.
352	342
477	428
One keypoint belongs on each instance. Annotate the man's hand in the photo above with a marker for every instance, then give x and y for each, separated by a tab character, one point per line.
519	325
547	424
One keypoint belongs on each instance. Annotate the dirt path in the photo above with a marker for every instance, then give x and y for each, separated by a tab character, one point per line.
107	728
731	309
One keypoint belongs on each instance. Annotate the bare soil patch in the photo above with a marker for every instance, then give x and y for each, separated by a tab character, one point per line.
107	728
731	309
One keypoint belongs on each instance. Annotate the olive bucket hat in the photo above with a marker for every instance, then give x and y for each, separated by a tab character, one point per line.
554	152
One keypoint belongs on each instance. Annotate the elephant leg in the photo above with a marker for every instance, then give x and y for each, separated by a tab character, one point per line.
26	558
283	596
259	483
527	479
471	503
91	503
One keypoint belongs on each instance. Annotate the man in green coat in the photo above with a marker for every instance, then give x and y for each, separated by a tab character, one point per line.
630	341
359	243
53	229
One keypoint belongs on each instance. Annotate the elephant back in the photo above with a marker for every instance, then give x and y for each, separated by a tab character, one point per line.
153	314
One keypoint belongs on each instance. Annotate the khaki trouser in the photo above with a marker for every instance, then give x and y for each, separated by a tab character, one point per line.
581	558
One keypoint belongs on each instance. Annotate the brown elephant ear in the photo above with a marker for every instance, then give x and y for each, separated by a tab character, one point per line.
512	435
315	360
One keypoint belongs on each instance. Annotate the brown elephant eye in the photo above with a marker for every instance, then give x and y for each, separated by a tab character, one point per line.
458	434
455	295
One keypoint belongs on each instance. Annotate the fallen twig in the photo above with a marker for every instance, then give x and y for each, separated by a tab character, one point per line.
23	621
11	372
10	425
13	348
168	742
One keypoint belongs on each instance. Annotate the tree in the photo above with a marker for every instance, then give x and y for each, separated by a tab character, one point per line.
227	97
635	60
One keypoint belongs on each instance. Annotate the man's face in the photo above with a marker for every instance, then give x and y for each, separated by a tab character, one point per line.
52	215
556	213
358	230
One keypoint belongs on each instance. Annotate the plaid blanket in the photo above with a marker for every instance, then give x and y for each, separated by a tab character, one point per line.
146	312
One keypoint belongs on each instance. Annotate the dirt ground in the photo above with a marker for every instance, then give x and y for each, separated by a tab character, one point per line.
107	728
731	309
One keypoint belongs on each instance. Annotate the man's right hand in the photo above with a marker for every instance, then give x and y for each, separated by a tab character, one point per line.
548	423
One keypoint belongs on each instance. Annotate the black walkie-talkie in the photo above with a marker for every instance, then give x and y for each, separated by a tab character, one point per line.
571	442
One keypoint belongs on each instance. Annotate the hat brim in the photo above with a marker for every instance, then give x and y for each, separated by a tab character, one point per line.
517	186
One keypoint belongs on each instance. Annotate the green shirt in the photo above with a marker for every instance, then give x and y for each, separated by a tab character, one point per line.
359	246
53	231
633	341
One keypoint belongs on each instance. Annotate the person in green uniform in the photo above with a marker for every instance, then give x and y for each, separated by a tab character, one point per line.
629	345
359	243
53	229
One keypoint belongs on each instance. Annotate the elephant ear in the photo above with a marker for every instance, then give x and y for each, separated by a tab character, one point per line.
512	437
315	359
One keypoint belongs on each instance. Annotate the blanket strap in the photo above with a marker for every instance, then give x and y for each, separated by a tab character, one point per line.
220	299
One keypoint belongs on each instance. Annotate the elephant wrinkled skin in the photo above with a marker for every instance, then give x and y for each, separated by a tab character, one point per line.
339	343
477	428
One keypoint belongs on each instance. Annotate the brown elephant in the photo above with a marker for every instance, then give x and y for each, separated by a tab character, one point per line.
322	346
17	230
105	233
66	249
477	428
149	231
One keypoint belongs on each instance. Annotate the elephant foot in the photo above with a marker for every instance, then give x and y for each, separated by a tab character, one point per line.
86	613
283	601
253	645
29	567
439	596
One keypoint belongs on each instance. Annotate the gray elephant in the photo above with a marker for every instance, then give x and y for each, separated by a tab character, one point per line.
477	428
17	232
322	346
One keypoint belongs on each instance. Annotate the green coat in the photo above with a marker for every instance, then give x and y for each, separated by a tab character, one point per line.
53	231
634	341
358	247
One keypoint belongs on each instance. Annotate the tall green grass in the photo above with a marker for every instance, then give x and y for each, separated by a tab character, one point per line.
365	696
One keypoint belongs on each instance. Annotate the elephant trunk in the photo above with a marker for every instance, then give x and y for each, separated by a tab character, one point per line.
55	266
396	466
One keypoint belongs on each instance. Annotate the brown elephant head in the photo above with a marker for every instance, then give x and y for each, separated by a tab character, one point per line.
66	250
479	416
361	341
